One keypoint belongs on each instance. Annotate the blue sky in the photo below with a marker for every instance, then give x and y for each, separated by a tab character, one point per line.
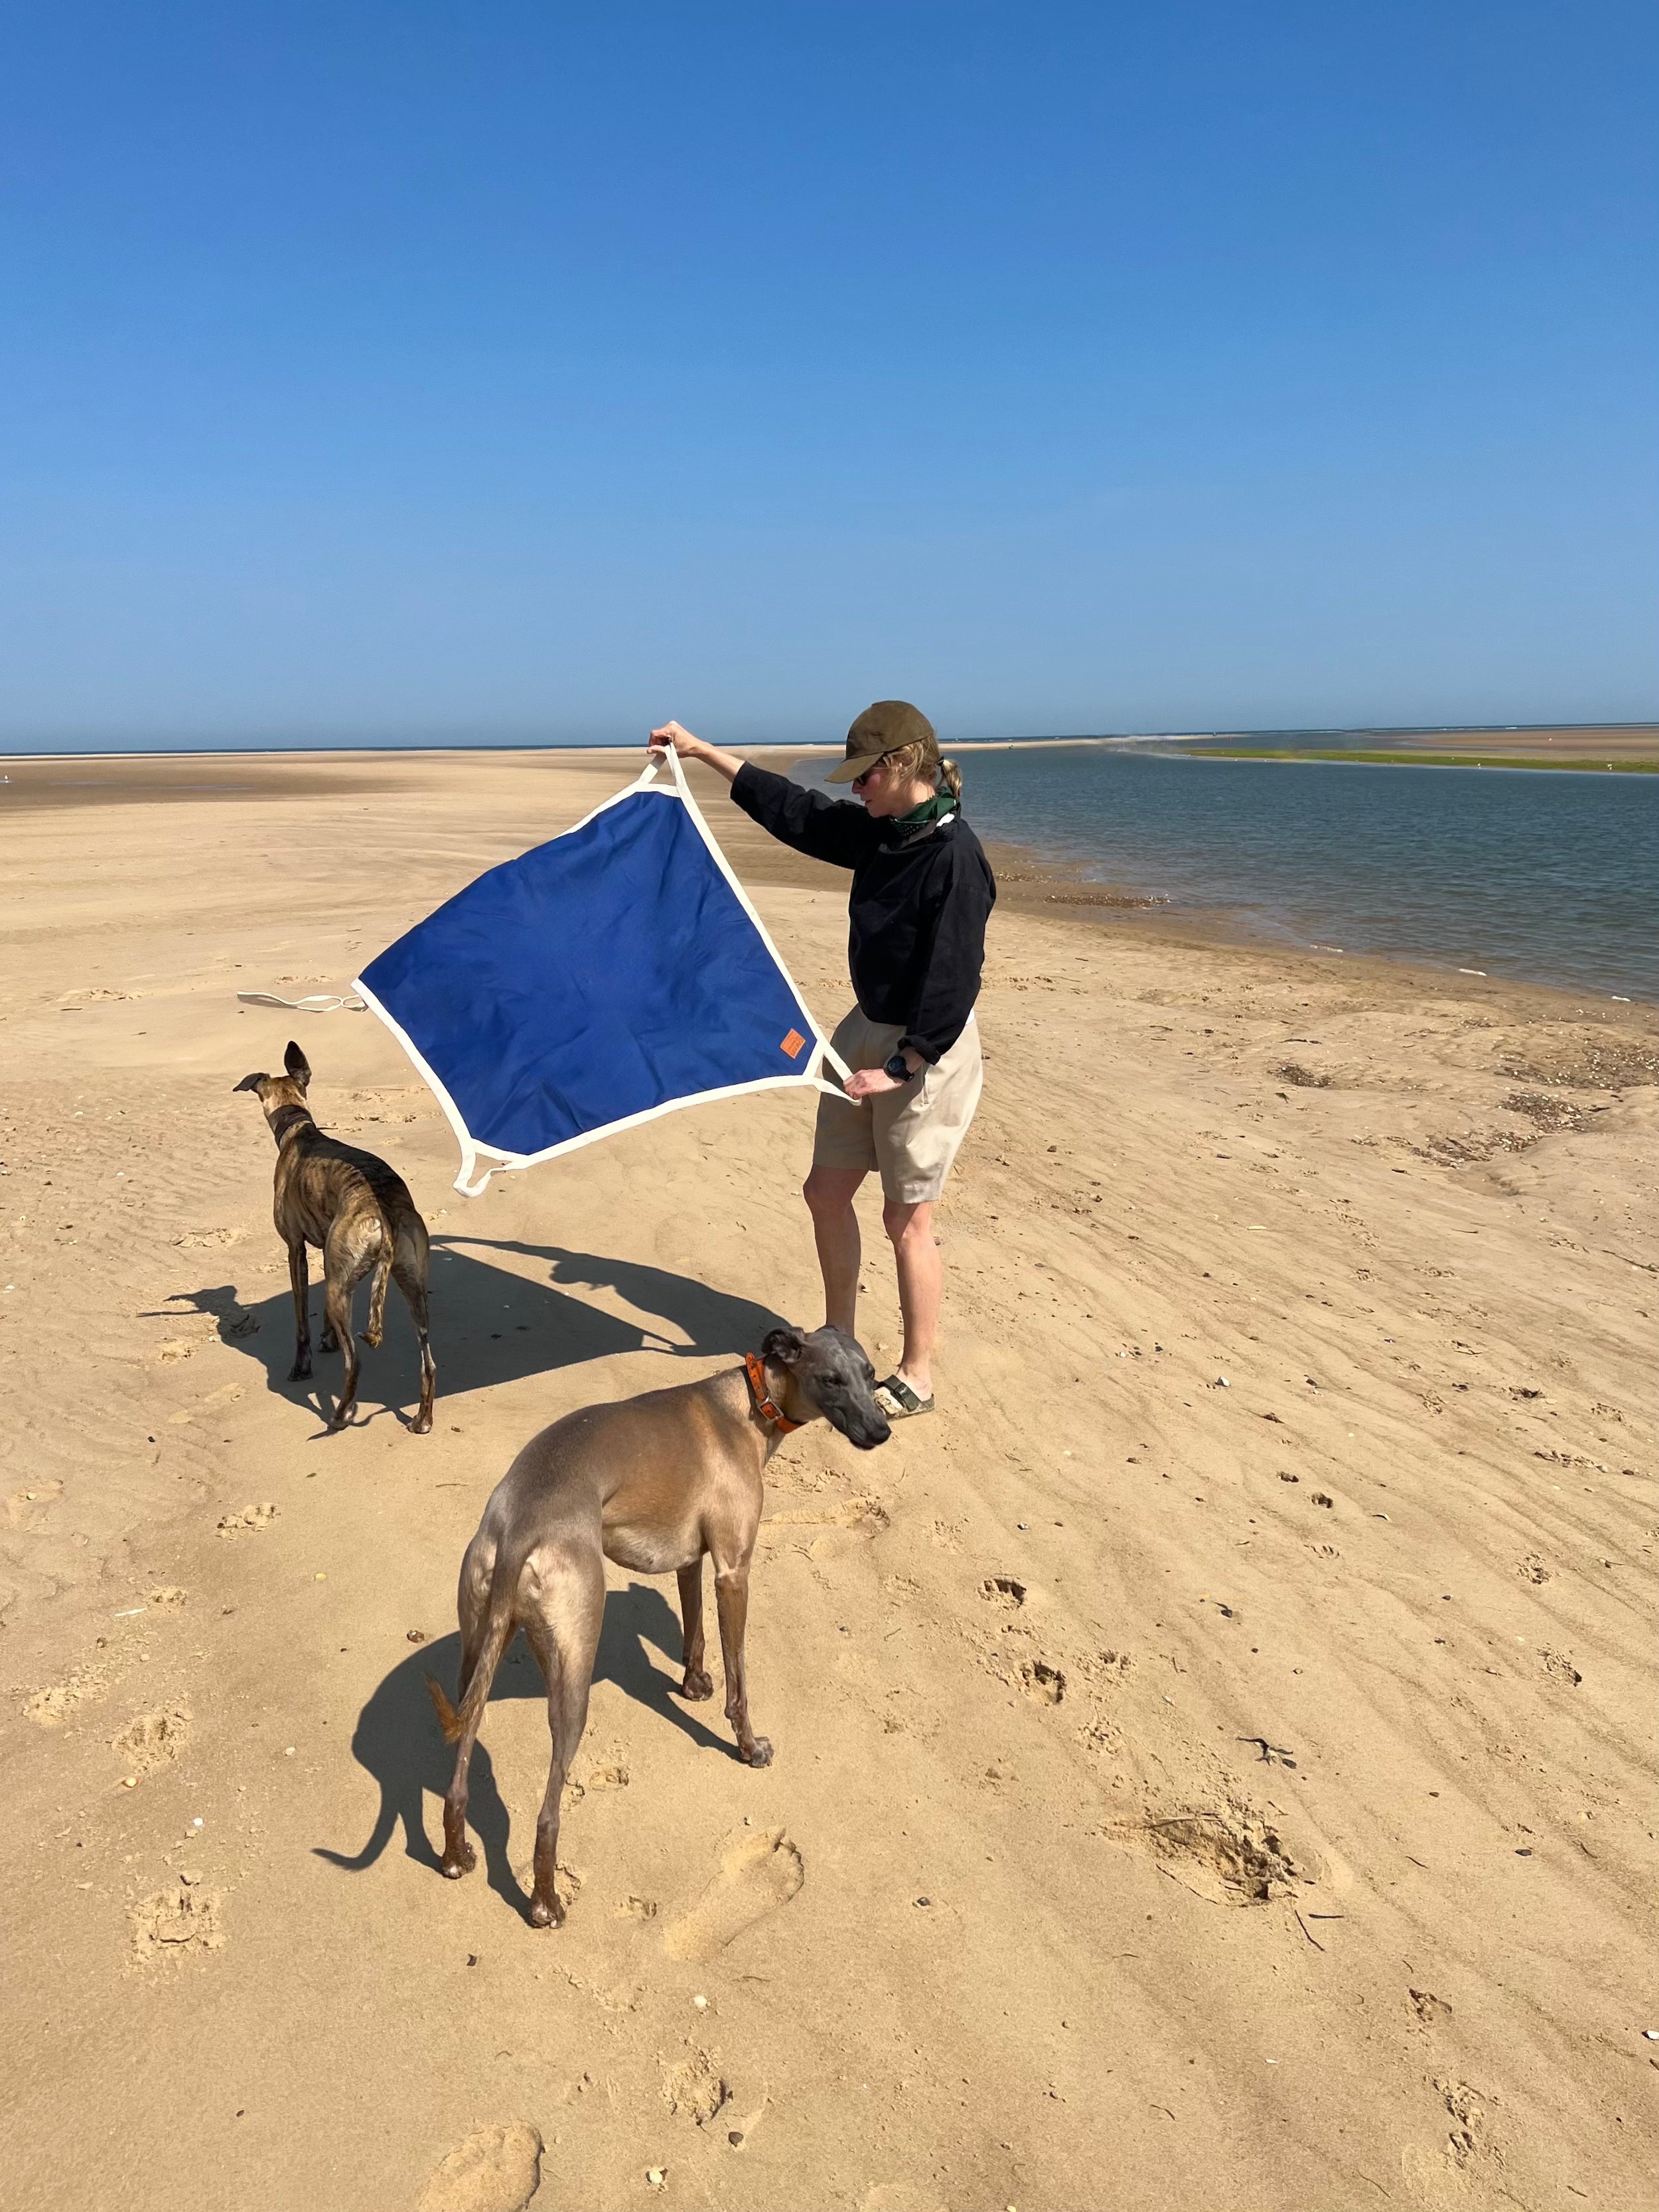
534	372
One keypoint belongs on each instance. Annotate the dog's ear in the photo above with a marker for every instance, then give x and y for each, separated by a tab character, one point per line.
297	1065
252	1082
785	1345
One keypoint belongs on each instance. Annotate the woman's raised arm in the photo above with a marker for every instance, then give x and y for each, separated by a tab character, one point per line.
690	748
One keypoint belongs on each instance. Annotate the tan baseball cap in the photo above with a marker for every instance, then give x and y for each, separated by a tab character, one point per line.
880	730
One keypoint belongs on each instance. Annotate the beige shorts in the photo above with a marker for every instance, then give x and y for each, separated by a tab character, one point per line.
912	1134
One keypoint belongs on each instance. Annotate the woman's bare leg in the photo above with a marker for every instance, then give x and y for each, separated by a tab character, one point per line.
920	1286
829	1192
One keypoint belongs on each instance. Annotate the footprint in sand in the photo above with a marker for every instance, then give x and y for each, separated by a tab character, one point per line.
760	1869
495	2169
695	2089
1045	1683
1003	1591
52	1706
1469	2141
1229	1858
832	1526
49	1708
863	1514
250	1516
155	1739
611	1776
174	1923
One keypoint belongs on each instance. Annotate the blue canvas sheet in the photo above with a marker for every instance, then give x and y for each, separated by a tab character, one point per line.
608	976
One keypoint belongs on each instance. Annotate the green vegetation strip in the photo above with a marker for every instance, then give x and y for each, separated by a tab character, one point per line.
1426	760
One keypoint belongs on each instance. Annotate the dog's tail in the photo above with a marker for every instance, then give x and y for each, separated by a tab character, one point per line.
449	1719
456	1721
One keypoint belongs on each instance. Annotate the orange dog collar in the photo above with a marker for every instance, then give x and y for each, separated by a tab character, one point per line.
755	1368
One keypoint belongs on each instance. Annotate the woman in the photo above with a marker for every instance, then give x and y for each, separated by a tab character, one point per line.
922	891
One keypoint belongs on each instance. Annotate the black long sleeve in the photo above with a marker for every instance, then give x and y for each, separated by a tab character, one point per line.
948	982
824	829
917	911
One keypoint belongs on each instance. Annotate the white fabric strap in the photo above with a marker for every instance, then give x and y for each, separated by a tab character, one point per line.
319	1002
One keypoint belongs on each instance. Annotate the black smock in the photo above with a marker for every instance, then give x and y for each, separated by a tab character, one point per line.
918	910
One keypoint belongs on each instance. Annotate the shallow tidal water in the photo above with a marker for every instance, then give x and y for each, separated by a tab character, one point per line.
1539	875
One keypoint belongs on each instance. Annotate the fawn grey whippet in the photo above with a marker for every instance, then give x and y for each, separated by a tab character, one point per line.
358	1212
653	1483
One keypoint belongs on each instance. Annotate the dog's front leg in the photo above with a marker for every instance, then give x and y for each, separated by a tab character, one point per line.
696	1684
731	1603
299	1275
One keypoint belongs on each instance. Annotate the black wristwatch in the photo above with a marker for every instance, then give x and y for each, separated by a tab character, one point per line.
898	1067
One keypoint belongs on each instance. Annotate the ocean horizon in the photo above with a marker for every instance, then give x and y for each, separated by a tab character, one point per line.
219	743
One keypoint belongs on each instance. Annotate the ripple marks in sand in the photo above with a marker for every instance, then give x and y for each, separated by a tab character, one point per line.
759	1870
494	2170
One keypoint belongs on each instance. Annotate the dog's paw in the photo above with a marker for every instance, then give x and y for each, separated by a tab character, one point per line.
421	1426
759	1752
328	1342
462	1862
301	1370
697	1685
545	1912
371	1338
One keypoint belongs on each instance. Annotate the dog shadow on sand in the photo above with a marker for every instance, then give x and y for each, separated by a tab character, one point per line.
398	1739
488	1325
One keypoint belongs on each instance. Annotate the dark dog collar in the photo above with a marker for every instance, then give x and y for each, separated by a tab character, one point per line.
755	1368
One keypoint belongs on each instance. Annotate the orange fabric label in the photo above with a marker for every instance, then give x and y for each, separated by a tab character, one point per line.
793	1043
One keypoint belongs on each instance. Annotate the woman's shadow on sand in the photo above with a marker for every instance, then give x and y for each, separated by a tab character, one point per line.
398	1739
489	1325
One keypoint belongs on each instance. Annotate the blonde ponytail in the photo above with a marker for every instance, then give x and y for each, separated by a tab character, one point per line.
919	760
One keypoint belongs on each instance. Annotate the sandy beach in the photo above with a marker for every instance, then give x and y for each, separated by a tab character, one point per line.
1215	1763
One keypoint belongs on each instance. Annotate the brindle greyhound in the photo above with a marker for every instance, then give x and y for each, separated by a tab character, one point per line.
359	1215
653	1483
